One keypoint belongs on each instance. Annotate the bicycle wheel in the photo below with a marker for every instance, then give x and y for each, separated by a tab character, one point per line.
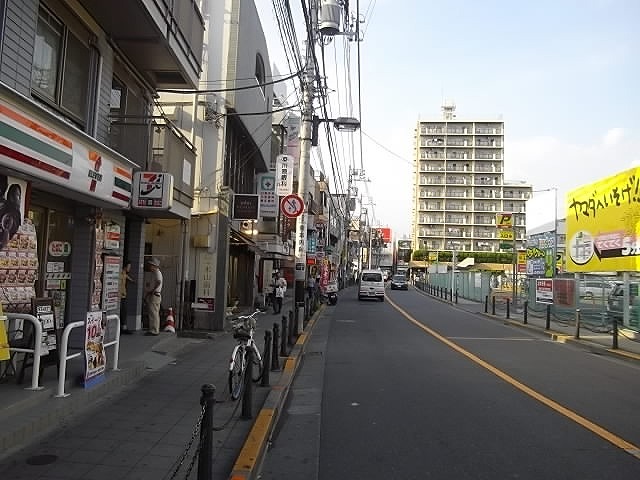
236	375
258	366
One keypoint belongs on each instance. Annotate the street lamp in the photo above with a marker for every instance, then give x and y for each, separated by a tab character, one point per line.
342	124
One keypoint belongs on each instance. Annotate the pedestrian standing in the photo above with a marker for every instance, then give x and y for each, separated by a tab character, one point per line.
125	279
153	296
277	307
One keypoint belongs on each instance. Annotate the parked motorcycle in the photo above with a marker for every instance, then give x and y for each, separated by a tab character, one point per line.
332	298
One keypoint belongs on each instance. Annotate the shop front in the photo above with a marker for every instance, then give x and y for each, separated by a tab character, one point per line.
64	200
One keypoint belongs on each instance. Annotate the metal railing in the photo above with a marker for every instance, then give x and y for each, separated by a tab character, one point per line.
36	351
64	356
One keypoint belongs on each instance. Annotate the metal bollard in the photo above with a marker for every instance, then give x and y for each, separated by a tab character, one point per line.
548	322
205	456
508	308
292	326
615	333
486	303
284	337
456	296
493	305
247	392
577	334
266	360
275	358
526	312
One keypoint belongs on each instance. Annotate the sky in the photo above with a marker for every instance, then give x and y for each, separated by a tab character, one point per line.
563	76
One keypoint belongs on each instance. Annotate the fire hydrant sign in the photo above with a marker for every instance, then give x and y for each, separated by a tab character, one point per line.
544	290
94	354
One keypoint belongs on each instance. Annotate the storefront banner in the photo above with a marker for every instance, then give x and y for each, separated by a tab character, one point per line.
603	232
94	353
267	195
46	152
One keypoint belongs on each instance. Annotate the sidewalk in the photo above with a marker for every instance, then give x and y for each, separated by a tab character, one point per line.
138	423
559	330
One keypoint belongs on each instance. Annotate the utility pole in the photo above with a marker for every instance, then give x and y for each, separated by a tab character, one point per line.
306	131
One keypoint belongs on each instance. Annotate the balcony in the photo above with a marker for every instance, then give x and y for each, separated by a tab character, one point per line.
173	153
162	38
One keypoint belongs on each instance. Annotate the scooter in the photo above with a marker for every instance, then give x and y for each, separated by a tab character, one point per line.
332	298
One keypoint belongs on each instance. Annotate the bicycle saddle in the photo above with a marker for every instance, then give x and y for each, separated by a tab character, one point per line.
241	333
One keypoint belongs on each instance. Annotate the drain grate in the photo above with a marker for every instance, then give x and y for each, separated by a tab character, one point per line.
41	459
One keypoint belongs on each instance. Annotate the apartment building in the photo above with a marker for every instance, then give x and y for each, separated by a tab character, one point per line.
459	186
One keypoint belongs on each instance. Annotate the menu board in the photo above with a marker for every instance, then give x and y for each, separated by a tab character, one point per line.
94	353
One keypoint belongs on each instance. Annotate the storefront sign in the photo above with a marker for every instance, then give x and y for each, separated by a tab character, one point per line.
245	206
284	175
40	149
94	353
59	249
544	291
152	191
267	193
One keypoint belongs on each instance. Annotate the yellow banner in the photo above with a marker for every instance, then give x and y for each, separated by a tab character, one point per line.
603	225
504	220
504	234
433	256
4	342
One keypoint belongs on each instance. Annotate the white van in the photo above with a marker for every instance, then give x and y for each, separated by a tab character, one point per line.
371	285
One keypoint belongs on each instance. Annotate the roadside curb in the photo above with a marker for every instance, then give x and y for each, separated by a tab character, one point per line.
252	454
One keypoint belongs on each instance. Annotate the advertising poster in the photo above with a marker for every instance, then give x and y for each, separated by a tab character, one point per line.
544	291
603	233
94	353
110	283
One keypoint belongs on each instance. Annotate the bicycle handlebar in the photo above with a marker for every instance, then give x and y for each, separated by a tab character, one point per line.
252	315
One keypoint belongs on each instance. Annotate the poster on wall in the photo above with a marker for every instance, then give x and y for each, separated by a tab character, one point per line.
18	248
110	283
94	353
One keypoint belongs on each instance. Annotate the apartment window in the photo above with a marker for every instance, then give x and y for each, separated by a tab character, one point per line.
260	75
64	72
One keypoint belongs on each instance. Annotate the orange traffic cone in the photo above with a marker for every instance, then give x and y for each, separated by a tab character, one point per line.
170	325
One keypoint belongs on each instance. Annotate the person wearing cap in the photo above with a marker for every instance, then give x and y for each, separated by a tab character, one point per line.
153	296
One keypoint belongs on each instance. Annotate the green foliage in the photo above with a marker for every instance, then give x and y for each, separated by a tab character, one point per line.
480	257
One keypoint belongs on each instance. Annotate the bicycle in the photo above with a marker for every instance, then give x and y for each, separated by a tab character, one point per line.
243	329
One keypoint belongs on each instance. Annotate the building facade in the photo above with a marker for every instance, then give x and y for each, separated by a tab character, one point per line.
77	85
459	186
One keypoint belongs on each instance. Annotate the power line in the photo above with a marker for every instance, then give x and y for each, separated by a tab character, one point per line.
236	89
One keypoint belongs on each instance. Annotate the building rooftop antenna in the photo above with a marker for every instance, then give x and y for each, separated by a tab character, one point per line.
448	110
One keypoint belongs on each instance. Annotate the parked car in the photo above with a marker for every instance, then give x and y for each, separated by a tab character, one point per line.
596	288
399	282
615	302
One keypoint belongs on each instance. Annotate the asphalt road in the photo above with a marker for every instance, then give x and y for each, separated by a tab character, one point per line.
413	388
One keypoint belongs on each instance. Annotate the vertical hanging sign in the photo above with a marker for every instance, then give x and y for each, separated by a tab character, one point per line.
284	175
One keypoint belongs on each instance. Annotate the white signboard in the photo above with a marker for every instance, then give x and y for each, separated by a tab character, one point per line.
152	190
267	195
284	175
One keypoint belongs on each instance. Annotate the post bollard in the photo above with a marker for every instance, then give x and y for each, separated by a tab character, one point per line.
508	308
247	391
493	305
577	334
275	359
456	296
291	326
284	337
547	325
486	303
615	333
205	457
266	361
526	312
